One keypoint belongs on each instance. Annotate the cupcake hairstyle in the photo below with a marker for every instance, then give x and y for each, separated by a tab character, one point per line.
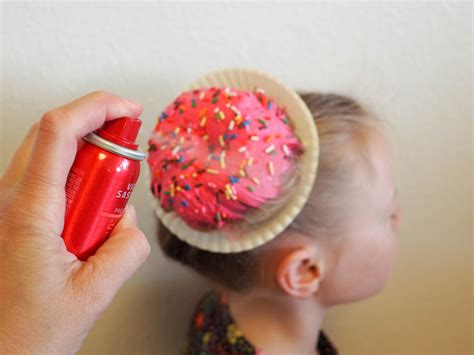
232	161
219	154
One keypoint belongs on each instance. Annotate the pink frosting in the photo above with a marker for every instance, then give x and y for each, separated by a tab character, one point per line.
216	154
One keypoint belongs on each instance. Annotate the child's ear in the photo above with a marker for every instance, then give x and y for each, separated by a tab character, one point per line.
299	273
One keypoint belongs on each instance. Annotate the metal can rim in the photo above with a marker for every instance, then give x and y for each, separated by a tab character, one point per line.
114	148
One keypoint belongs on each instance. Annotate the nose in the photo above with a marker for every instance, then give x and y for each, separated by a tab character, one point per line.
396	220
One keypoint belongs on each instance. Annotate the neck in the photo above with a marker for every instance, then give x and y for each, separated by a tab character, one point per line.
291	325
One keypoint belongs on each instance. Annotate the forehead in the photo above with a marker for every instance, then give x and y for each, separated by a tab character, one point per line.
376	183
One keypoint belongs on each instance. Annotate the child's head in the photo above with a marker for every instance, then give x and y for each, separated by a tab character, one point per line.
341	246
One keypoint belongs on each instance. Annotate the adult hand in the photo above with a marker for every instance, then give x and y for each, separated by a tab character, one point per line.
49	299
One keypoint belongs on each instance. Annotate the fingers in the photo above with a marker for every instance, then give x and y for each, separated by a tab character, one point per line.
18	163
58	131
123	253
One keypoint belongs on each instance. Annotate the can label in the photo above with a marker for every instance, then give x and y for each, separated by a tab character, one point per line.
98	188
72	185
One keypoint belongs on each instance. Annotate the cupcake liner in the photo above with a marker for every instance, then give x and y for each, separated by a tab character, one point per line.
239	239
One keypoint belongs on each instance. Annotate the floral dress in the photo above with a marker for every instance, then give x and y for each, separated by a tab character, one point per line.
213	332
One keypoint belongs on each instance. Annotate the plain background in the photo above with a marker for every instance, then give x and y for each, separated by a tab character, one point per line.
409	62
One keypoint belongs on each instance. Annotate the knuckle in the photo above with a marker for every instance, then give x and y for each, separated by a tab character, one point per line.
52	121
100	94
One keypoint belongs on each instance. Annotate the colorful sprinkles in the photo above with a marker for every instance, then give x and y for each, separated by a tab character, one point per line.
243	133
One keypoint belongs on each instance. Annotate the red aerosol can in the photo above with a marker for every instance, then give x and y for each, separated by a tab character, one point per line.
100	183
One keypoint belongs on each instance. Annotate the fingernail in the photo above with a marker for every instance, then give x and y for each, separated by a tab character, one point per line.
133	103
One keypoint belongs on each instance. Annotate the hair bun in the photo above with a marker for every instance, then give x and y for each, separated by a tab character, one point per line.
219	153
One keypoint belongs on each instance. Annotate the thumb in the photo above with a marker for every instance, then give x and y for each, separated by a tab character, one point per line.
120	256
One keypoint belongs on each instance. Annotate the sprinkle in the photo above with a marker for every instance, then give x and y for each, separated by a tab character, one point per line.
163	116
222	160
181	176
231	125
285	149
212	171
256	181
180	159
238	119
285	120
189	130
250	161
205	137
270	105
254	138
221	141
262	121
203	111
233	136
250	188
230	192
164	146
193	102
178	188
225	136
215	99
201	96
246	123
176	150
203	121
194	175
172	190
270	168
242	172
221	115
234	179
270	149
187	187
229	93
242	149
216	110
176	131
235	110
269	139
184	203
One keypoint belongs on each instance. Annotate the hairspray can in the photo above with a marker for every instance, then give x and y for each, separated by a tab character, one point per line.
100	183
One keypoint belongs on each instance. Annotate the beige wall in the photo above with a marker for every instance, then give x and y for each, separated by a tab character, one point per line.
411	63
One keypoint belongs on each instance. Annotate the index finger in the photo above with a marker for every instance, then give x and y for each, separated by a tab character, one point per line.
59	129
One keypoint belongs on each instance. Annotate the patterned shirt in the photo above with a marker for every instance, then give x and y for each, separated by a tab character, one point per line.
213	332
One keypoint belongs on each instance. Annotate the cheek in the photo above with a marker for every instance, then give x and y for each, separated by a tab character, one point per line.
363	269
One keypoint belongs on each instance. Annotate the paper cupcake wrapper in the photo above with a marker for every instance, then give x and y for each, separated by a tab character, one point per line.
305	129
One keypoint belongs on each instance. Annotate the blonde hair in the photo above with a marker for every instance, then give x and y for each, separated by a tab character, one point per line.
344	130
344	127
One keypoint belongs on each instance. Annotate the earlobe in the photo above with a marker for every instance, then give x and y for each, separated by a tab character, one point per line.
299	273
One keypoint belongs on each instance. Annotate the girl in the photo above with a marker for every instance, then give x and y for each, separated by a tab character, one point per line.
340	248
